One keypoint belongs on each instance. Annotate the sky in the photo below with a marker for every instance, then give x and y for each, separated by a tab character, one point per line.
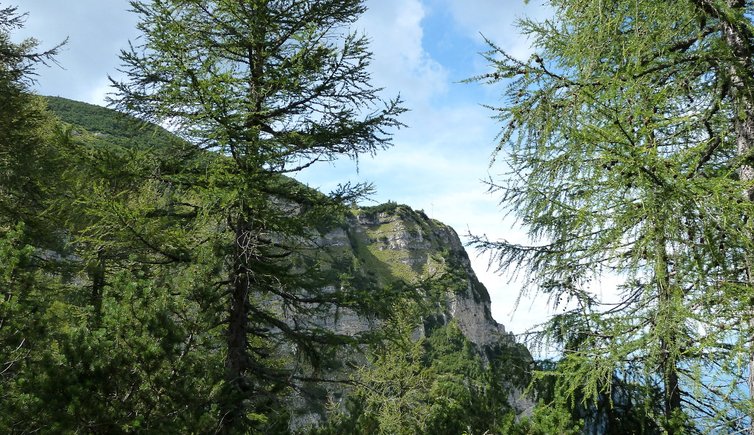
422	50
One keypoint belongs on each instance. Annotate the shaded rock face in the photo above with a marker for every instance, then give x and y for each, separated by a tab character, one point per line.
393	242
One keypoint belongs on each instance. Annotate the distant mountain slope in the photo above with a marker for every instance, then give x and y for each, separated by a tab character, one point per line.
388	239
111	126
392	242
411	246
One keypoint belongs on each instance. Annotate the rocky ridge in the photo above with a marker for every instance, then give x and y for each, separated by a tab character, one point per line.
377	246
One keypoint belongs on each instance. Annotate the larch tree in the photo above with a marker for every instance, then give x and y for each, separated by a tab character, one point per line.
627	136
261	88
25	131
732	19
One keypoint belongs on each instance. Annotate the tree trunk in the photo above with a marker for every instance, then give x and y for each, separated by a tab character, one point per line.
245	153
237	362
669	369
96	274
739	41
738	38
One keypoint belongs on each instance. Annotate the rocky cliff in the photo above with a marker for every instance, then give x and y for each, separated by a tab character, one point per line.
385	243
393	242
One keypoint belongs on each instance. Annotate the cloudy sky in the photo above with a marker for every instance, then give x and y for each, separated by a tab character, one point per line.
422	50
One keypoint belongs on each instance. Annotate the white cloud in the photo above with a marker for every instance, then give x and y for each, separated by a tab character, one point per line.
400	63
496	19
99	92
96	31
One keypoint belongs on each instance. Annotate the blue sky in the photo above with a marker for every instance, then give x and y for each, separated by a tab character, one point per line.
422	50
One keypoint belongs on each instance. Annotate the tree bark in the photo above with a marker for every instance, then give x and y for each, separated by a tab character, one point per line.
237	361
672	391
97	273
245	153
739	41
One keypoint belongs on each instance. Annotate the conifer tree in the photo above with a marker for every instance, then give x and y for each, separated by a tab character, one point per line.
28	175
261	88
136	353
624	163
25	129
732	19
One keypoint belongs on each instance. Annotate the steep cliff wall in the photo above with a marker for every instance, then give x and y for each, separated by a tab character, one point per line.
411	246
392	242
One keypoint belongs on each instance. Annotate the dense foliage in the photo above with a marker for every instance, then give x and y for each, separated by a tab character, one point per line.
431	383
272	88
156	284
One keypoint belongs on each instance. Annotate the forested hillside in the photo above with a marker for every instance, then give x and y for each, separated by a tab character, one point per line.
127	346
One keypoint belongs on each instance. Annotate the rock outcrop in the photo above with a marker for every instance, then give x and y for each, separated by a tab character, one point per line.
412	247
393	242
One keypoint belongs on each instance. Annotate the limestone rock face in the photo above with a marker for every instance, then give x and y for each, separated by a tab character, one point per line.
411	246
